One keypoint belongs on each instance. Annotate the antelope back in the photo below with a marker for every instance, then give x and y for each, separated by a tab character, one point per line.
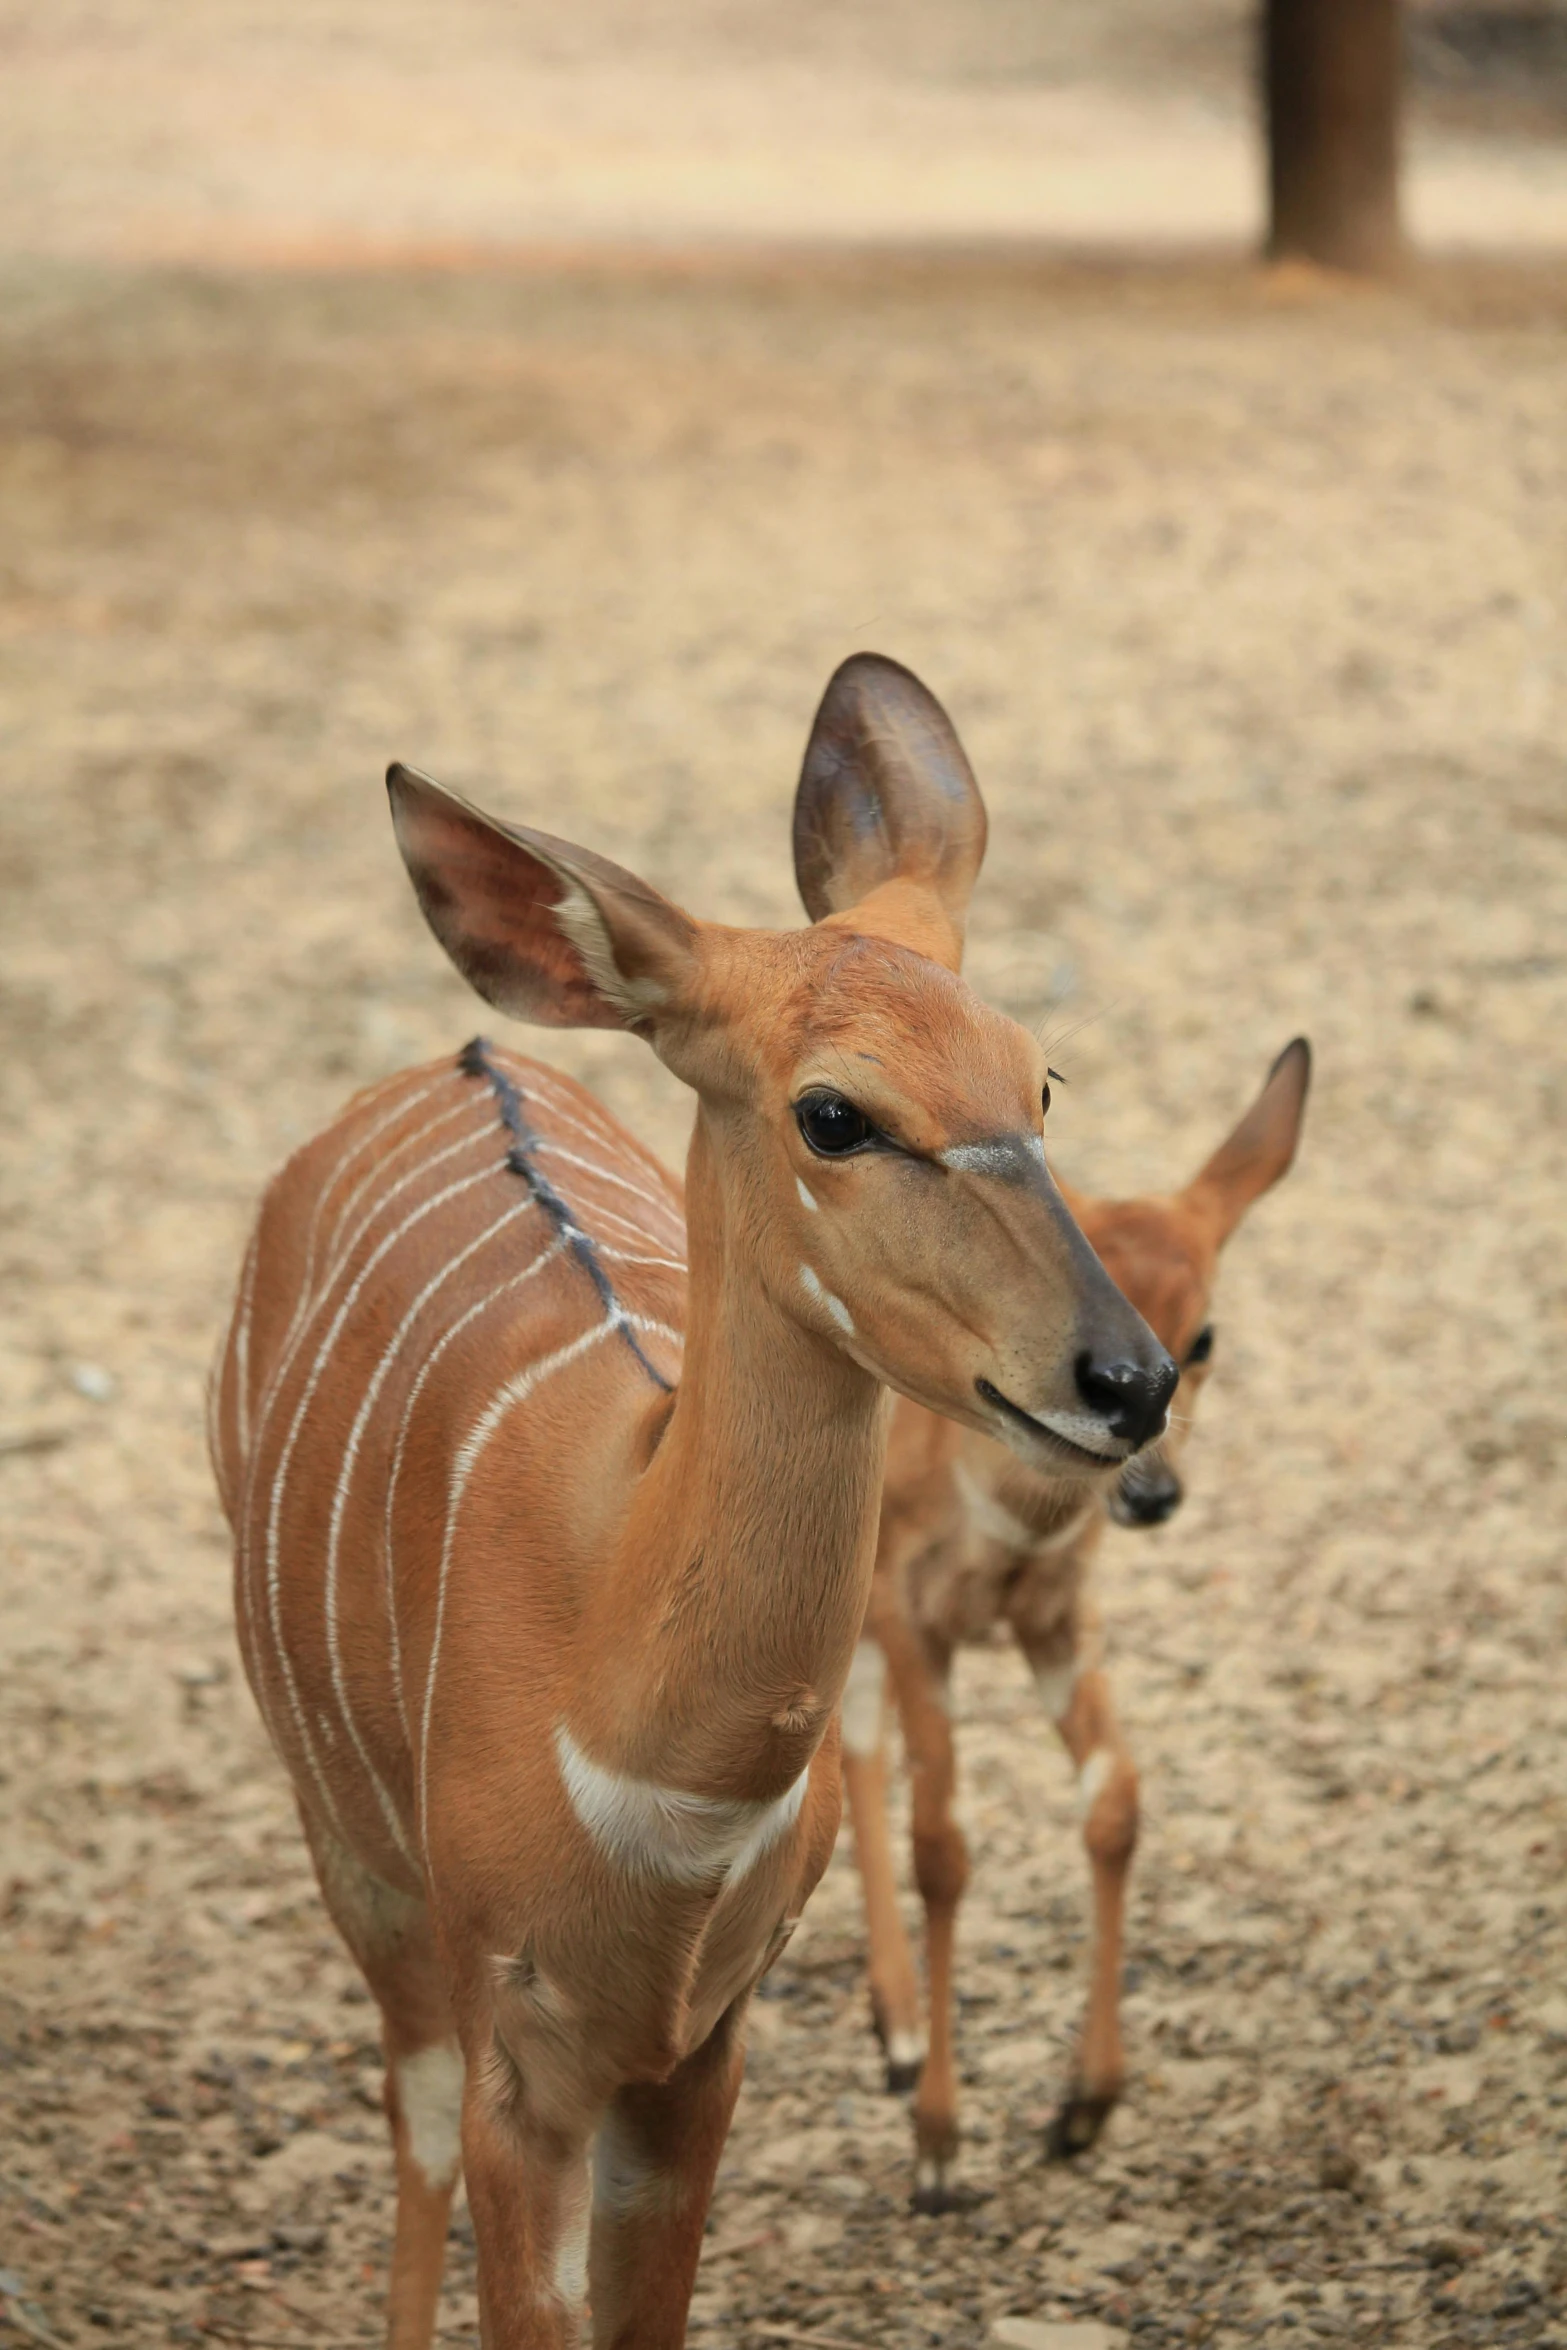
473	1254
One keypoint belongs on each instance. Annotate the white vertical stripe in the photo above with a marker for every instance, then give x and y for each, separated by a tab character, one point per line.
375	1174
340	1502
516	1390
400	1109
280	1480
649	1199
285	1359
241	1339
546	1257
538	1083
623	1256
298	1333
299	1329
629	1227
211	1402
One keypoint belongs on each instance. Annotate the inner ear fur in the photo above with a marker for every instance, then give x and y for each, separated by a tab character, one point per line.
541	929
1262	1147
886	794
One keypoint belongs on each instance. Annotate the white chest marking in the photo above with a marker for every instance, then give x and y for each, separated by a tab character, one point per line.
429	2090
664	1832
862	1700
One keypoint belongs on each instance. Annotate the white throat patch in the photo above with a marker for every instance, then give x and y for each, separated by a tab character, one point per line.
664	1832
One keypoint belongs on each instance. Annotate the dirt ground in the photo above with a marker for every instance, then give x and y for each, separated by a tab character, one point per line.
1249	603
197	130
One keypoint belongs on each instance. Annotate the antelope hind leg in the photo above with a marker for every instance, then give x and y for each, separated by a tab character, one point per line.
1079	1697
388	1933
919	1679
895	2008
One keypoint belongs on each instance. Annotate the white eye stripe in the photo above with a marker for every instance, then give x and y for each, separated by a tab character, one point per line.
1008	1156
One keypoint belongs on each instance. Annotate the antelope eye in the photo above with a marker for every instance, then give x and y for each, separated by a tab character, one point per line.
1201	1346
832	1126
1044	1103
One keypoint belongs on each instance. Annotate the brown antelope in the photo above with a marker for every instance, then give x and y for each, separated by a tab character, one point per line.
551	1631
973	1536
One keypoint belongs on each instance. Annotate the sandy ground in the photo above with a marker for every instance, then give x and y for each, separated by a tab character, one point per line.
1249	603
368	127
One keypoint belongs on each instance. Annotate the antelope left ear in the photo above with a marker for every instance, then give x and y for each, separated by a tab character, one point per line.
542	929
1262	1146
886	794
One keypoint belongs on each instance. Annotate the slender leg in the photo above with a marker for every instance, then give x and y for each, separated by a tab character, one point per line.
1066	1667
388	1934
895	2007
654	2161
920	1667
528	2193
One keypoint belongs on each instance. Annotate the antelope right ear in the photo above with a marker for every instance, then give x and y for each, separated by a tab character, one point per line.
886	794
1252	1159
543	930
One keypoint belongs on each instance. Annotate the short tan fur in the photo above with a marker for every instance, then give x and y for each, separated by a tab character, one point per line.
971	1537
554	1534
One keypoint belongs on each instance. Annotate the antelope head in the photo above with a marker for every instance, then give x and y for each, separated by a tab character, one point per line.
869	1146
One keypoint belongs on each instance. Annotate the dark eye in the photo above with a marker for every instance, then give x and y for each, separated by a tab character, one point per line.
832	1126
1044	1103
1201	1346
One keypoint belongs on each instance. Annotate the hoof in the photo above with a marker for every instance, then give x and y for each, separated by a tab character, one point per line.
1076	2126
934	2193
903	2076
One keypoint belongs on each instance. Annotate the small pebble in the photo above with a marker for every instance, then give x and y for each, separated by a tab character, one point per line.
1038	2333
95	1383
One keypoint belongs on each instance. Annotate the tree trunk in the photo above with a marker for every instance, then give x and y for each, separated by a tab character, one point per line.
1331	74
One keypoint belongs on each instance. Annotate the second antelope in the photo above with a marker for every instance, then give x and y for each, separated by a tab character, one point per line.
550	1632
973	1537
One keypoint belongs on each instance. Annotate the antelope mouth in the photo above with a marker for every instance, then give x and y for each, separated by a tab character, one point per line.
1050	1432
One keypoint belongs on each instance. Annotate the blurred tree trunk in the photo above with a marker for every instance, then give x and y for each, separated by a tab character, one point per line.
1331	71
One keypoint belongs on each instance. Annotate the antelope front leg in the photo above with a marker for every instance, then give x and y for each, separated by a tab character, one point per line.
654	2162
920	1670
1078	1699
895	2007
528	2195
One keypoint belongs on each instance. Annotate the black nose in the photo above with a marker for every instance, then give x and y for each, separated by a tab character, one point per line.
1145	1506
1131	1397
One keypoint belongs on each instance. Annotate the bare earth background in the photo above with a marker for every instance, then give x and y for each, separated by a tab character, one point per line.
1248	599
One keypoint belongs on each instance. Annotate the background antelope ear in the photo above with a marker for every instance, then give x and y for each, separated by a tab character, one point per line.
544	931
886	794
1262	1146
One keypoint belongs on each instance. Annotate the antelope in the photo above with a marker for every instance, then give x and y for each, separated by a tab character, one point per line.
973	1537
555	1488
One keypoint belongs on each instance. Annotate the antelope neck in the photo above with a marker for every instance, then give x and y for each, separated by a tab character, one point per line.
719	1640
